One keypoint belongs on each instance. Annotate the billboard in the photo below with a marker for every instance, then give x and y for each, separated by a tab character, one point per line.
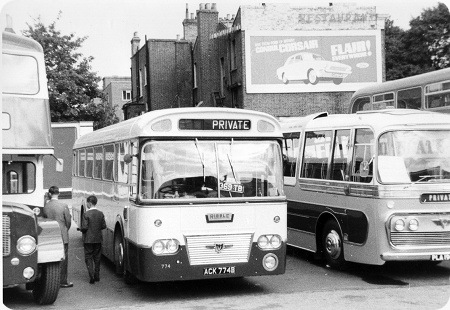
312	61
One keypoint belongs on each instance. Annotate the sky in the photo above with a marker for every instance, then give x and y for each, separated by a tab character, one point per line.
110	24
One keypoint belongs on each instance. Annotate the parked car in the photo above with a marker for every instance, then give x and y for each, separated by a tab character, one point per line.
312	68
32	252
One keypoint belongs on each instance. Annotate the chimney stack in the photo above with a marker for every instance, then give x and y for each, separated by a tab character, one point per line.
135	42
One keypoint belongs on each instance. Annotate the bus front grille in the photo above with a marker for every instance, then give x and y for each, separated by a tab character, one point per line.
6	233
420	238
218	249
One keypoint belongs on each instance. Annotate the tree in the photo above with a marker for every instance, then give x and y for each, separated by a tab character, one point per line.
72	86
421	48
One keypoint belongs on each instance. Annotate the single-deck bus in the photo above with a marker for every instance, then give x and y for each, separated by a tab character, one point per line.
428	91
190	193
369	187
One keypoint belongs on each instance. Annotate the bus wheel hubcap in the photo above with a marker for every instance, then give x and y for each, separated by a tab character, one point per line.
333	244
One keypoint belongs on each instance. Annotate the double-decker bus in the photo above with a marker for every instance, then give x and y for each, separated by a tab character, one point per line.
427	91
32	247
369	187
189	193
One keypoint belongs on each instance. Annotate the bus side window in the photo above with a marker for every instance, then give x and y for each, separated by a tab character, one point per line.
340	155
409	98
290	154
316	152
361	104
362	163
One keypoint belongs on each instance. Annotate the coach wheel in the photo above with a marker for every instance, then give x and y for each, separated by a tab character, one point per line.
119	253
333	247
312	77
285	79
337	81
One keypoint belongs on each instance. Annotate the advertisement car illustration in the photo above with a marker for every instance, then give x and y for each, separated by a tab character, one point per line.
312	68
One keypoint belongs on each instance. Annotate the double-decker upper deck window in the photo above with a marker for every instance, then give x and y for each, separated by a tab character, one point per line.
20	74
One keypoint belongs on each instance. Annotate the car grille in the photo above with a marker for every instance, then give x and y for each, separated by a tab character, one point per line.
218	249
420	238
6	233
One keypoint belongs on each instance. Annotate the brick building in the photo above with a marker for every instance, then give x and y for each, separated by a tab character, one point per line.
117	91
282	59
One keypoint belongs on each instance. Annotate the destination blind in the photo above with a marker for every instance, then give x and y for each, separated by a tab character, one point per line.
215	124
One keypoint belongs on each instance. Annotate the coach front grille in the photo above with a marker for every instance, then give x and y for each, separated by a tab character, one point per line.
420	238
218	249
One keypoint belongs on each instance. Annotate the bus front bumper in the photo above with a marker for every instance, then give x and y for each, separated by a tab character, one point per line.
152	268
416	256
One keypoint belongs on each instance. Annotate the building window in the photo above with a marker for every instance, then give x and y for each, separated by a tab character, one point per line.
140	83
233	54
222	77
126	95
145	75
195	75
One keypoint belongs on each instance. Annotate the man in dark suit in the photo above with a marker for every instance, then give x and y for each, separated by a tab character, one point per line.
92	225
59	211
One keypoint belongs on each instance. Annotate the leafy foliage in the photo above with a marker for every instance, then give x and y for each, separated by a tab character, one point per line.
72	85
422	48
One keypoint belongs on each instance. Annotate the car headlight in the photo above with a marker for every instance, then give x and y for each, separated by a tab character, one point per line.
26	245
399	225
413	224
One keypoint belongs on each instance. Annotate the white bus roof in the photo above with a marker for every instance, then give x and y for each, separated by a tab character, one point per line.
152	124
12	41
377	119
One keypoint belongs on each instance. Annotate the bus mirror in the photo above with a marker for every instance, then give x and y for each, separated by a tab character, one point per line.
128	158
59	165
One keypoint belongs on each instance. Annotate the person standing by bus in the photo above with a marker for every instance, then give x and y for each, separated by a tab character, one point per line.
59	211
93	223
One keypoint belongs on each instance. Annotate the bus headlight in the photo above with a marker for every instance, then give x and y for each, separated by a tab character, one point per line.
399	225
269	242
28	273
270	262
26	245
413	224
165	246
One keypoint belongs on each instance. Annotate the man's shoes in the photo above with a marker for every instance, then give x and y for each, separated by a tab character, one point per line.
96	278
92	281
64	285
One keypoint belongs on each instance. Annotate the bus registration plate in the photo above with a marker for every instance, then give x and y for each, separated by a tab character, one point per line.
218	270
440	257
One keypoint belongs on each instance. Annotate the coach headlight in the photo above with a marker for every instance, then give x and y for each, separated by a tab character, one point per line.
270	262
165	246
26	245
269	242
399	225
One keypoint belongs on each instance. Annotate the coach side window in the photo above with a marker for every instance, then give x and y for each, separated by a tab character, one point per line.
409	98
89	161
362	104
290	153
108	166
81	162
340	155
98	162
121	171
363	152
316	153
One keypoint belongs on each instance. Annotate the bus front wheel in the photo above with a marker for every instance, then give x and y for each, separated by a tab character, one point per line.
332	245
